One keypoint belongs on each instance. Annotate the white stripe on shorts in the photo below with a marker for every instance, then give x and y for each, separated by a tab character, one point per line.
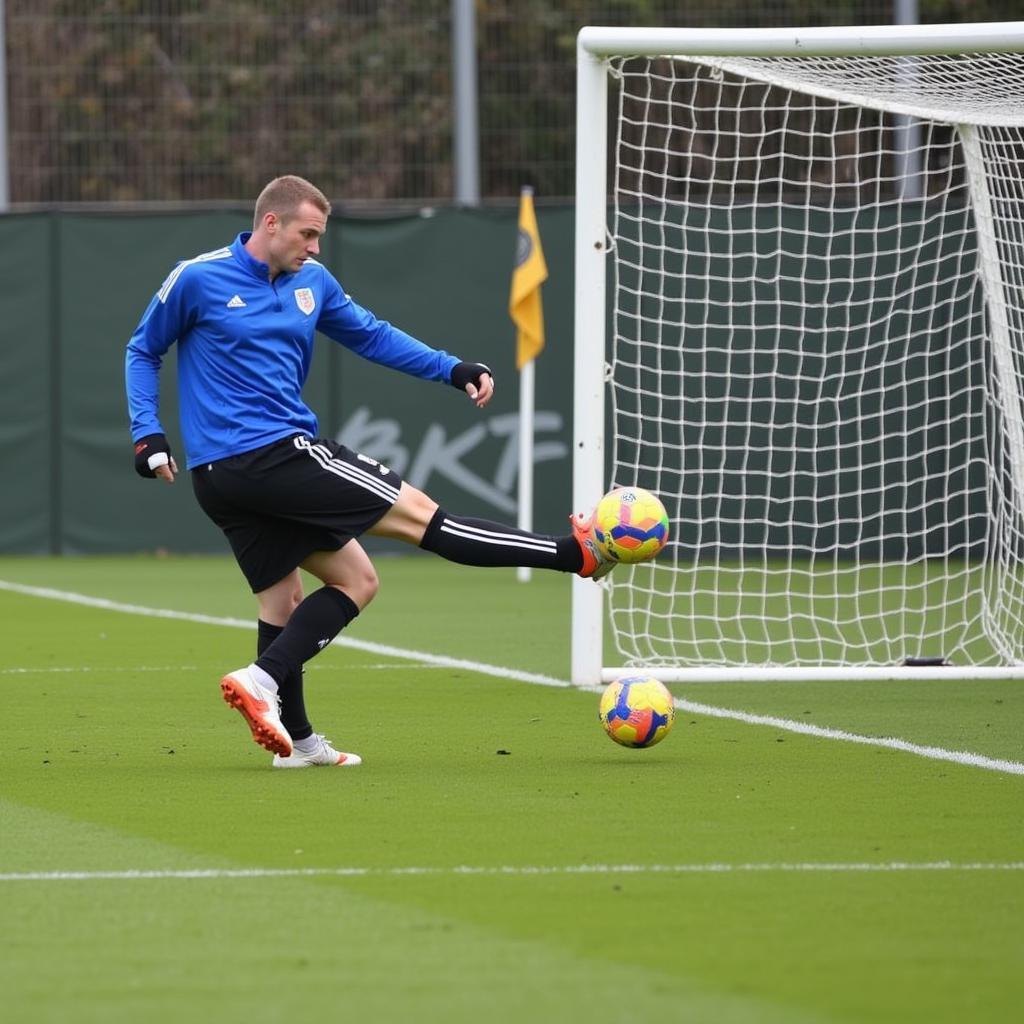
511	540
367	477
361	477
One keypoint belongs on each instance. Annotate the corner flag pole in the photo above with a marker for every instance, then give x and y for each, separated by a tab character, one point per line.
524	307
526	417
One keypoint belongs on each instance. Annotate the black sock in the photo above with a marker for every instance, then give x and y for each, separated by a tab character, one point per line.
289	690
479	542
313	625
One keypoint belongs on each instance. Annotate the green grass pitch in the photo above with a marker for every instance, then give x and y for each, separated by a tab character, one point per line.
496	858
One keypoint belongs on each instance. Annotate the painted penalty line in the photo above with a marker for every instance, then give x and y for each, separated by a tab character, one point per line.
526	871
960	757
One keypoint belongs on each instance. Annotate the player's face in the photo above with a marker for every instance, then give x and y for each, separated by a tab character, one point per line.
294	241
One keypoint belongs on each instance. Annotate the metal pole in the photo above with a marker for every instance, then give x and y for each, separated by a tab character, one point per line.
5	188
527	403
466	129
907	137
905	12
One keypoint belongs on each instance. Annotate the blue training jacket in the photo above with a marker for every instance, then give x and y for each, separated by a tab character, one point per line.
245	344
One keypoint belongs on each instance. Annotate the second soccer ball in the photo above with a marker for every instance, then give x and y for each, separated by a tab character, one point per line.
637	711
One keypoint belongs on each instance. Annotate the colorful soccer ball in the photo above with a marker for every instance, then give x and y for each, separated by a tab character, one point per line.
630	525
637	711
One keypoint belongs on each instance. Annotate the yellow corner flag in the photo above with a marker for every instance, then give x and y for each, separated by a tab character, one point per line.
530	272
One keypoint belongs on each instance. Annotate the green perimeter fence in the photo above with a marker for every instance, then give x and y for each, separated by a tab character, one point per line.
75	284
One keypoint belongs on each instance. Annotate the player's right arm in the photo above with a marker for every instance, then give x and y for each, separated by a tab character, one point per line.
167	318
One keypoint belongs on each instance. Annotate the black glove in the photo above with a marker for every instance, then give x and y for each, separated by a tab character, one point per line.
145	448
469	373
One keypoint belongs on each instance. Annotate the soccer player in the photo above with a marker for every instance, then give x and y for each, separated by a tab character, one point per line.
244	319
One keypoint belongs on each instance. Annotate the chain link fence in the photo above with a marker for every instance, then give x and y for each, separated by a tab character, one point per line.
171	101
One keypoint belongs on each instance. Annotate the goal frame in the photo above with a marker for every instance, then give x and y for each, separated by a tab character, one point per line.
594	49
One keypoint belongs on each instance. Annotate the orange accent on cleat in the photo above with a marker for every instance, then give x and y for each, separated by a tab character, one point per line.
595	563
262	720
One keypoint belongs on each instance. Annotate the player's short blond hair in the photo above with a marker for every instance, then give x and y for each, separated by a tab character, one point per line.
285	195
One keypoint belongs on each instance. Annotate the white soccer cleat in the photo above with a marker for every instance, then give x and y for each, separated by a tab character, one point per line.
323	755
259	708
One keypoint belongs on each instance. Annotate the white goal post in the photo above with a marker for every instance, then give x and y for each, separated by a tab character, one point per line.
799	320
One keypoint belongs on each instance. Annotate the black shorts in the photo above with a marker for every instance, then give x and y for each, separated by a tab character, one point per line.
279	504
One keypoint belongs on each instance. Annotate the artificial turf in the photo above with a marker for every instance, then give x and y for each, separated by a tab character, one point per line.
495	857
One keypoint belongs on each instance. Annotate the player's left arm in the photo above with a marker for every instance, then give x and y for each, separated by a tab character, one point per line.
359	330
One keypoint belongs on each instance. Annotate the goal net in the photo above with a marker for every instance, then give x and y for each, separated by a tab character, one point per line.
810	251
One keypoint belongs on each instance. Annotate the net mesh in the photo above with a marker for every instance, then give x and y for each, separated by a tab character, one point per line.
818	343
929	86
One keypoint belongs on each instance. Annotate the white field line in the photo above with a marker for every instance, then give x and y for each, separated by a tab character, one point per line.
481	668
891	742
526	871
381	666
384	650
90	668
107	670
